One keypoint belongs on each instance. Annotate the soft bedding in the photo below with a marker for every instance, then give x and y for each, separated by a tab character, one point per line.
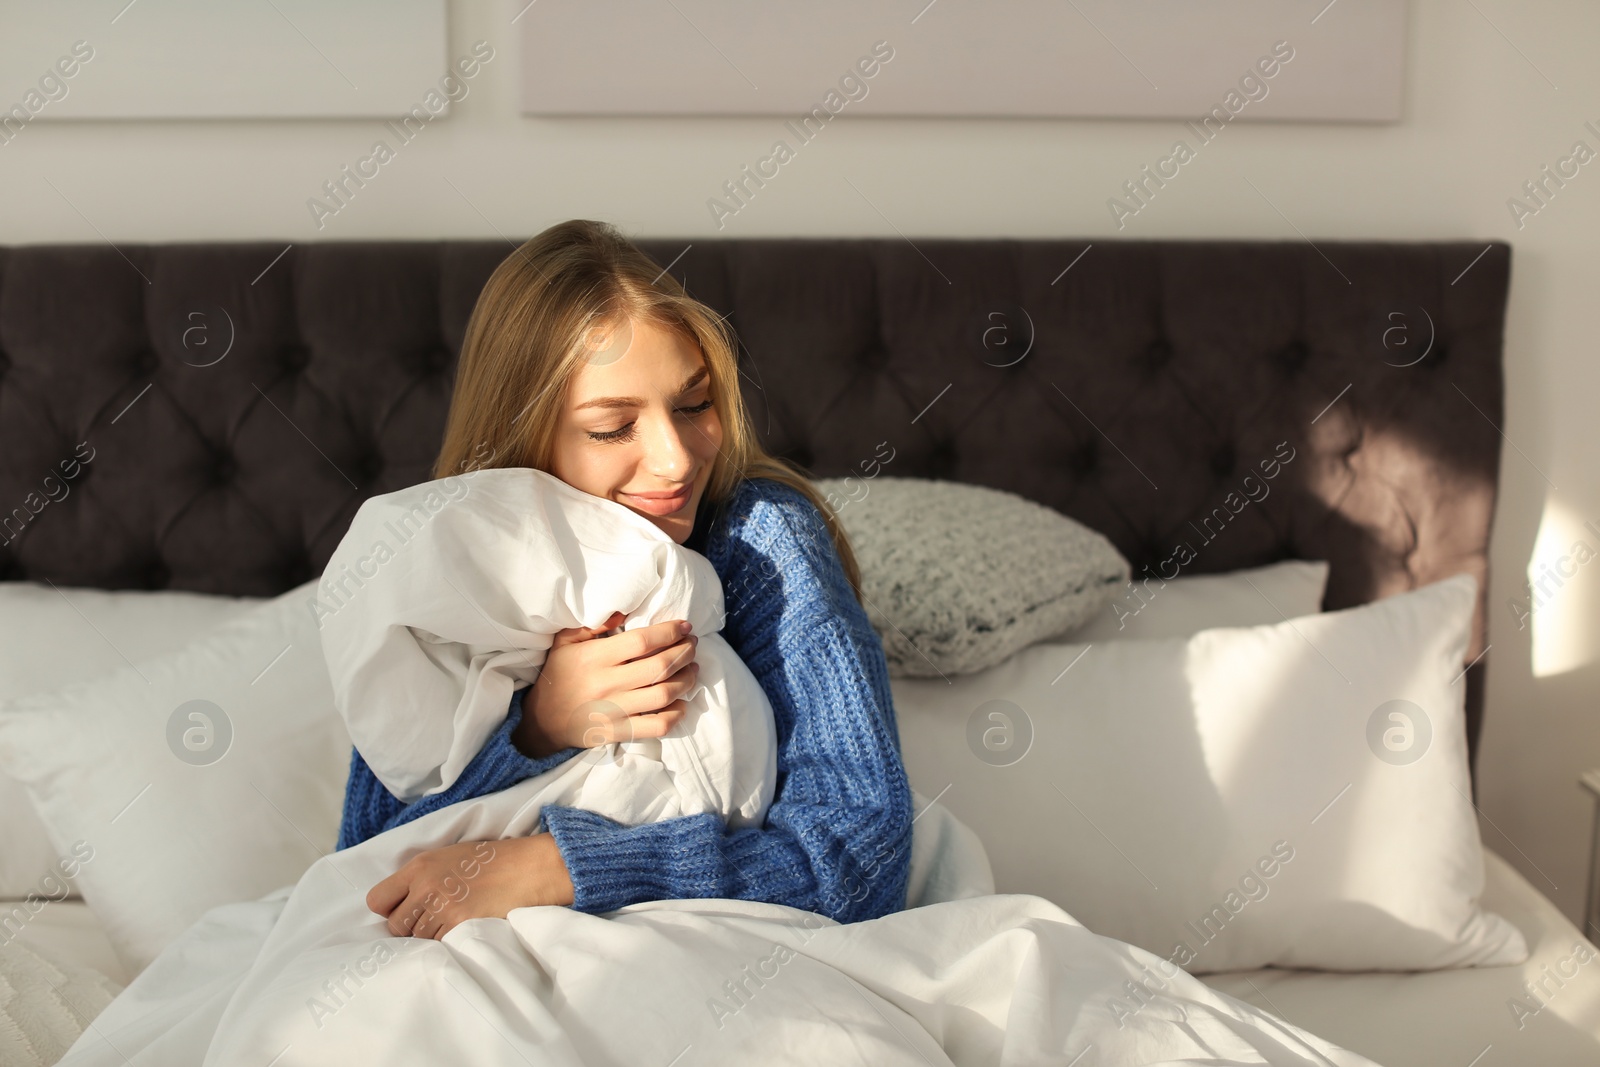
308	976
209	774
1293	795
1400	1020
1545	1011
987	574
52	636
443	618
445	596
70	931
42	1000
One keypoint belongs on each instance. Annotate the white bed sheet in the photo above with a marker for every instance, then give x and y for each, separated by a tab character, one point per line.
1452	1017
1399	1020
66	930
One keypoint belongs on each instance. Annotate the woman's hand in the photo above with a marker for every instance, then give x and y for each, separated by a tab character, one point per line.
594	690
439	888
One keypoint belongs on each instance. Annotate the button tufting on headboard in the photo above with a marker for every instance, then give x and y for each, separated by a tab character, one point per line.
1158	354
1292	357
1083	459
941	461
1134	392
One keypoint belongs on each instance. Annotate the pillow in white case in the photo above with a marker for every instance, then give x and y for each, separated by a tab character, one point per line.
1179	607
1292	795
208	775
50	637
957	577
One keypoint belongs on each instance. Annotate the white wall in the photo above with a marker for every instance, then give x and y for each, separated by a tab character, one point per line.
1482	117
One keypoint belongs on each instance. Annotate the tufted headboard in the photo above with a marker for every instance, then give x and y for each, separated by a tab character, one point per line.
208	417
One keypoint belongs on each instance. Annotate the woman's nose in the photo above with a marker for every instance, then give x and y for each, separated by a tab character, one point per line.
670	457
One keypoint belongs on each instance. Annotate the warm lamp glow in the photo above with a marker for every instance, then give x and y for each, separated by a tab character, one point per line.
1559	601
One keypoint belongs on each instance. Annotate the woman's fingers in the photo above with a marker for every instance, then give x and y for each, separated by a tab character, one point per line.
590	694
387	894
597	722
429	925
651	693
404	917
420	914
656	668
401	898
658	697
570	636
646	640
652	724
604	722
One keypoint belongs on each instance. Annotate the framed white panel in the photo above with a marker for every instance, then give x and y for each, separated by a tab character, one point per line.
241	59
1046	58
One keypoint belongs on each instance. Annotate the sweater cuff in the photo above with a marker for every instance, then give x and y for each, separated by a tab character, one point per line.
612	865
500	763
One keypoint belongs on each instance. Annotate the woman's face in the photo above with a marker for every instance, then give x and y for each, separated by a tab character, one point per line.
640	429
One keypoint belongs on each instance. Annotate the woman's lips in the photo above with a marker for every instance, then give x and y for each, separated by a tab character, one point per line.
660	505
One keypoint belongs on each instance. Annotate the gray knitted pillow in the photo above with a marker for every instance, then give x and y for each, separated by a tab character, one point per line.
956	577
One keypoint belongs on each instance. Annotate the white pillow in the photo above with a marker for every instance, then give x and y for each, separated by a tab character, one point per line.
1180	607
50	637
957	577
1238	799
212	774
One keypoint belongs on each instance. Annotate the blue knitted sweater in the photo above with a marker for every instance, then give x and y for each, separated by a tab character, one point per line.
837	837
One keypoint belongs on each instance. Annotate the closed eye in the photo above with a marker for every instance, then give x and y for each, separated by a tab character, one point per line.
625	433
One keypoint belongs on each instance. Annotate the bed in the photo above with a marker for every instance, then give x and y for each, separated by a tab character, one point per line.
1404	1020
244	399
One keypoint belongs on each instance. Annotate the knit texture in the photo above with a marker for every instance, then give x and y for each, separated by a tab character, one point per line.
988	573
837	838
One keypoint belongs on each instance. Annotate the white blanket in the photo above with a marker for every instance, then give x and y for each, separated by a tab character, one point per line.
310	977
444	597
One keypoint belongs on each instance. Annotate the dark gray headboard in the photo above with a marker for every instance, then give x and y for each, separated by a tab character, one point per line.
1131	384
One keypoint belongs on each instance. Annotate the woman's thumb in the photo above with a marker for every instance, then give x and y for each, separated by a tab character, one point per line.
588	633
616	619
572	634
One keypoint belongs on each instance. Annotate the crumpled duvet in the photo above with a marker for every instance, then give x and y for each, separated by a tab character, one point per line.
444	597
307	976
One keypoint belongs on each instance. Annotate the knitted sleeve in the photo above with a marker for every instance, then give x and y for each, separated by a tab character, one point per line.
837	837
370	809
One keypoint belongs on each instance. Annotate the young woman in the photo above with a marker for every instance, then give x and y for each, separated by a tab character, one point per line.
584	359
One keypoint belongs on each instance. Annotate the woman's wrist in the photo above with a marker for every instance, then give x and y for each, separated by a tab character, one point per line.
548	869
535	866
527	736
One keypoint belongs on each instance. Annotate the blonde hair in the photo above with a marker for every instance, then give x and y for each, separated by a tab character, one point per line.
527	337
